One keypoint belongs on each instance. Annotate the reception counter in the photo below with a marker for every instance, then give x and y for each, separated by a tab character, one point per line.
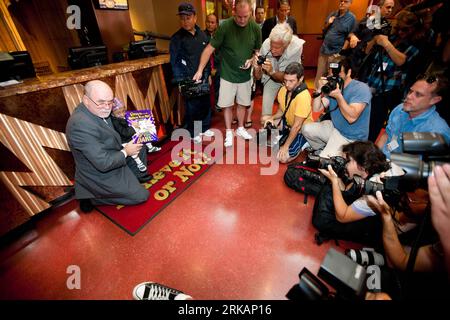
36	167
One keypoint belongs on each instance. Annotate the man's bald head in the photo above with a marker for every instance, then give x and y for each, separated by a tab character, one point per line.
98	97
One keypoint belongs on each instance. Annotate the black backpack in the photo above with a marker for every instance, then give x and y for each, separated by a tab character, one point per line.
304	179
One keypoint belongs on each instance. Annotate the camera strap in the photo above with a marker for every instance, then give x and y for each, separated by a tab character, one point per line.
287	103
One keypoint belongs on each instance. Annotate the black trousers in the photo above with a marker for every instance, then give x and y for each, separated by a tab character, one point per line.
197	109
367	230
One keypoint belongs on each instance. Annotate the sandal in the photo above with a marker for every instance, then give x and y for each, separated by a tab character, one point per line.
248	124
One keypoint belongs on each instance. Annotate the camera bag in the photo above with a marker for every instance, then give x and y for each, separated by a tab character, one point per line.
304	179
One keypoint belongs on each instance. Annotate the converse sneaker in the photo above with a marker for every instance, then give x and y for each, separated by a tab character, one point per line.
141	166
197	139
241	132
151	148
228	139
208	133
156	291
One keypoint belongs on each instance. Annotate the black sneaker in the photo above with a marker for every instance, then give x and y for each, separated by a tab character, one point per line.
156	291
86	205
144	178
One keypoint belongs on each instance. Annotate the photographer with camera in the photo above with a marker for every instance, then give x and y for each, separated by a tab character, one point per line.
431	266
388	66
186	46
348	104
340	211
277	52
294	110
370	26
365	30
417	113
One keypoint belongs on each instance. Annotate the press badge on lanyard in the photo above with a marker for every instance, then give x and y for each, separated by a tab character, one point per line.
391	146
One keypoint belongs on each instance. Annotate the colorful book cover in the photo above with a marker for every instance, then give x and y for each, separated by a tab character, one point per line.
143	122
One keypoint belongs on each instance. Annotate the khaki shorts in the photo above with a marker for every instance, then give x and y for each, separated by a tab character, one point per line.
229	92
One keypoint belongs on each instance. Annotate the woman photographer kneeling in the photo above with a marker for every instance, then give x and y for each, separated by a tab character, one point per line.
340	210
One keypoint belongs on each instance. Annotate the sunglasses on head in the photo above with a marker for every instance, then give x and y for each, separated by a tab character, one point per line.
428	78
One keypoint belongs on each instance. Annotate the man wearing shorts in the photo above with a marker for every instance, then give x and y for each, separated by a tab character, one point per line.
237	38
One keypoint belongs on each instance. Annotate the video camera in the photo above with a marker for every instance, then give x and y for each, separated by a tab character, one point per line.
344	275
334	80
191	89
379	26
425	151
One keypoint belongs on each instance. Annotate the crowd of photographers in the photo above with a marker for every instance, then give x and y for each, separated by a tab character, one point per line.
380	72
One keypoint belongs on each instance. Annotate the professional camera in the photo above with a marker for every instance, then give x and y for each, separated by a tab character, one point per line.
264	136
191	89
337	163
425	151
334	80
261	60
344	275
379	26
384	28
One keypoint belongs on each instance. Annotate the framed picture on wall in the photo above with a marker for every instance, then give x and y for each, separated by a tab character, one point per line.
113	4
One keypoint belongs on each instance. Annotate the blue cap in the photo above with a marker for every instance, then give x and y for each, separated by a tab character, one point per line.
186	8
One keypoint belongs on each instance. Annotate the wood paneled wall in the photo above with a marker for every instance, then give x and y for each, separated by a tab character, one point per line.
42	27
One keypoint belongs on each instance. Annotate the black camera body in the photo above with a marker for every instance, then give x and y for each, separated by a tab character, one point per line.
341	273
261	60
334	80
337	163
385	29
264	136
332	84
191	89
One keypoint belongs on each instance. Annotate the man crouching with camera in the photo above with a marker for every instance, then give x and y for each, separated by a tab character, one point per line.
348	104
341	211
294	110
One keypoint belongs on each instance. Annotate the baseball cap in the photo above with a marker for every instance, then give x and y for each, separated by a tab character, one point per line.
186	8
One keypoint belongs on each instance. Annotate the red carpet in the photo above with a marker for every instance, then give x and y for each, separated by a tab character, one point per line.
170	179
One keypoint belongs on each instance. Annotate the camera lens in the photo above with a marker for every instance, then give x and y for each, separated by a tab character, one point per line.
326	89
261	60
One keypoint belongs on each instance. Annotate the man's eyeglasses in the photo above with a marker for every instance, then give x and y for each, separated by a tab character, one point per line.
103	103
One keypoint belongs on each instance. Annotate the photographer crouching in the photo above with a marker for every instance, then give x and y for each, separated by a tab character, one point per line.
426	274
340	212
348	104
294	110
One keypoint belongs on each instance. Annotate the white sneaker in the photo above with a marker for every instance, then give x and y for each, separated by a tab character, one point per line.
208	133
197	139
306	145
241	132
228	139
